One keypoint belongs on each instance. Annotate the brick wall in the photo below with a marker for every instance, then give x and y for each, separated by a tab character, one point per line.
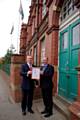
49	30
15	78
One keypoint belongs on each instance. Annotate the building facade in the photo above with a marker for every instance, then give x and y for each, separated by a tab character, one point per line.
53	29
42	35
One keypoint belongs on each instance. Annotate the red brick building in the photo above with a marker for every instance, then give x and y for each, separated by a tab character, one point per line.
53	29
42	34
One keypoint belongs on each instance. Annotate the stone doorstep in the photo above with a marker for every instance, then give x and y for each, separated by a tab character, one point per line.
40	106
62	105
75	109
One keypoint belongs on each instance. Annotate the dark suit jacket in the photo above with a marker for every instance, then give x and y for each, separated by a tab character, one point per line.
46	78
26	83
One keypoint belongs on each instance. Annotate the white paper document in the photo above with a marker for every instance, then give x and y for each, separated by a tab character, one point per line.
36	73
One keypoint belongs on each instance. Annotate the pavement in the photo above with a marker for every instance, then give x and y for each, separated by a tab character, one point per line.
12	111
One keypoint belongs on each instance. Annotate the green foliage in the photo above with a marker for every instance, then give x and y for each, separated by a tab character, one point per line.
7	57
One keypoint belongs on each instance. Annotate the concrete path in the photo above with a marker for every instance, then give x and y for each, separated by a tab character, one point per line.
12	111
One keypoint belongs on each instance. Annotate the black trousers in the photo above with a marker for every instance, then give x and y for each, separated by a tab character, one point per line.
27	98
47	99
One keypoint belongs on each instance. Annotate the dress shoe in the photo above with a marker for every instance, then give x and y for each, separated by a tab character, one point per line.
24	113
44	111
48	115
31	111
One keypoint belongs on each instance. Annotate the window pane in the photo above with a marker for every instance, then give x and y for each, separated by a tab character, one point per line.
44	8
76	33
42	49
35	55
65	40
67	9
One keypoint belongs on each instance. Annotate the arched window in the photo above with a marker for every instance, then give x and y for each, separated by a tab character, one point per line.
42	48
33	26
67	9
35	55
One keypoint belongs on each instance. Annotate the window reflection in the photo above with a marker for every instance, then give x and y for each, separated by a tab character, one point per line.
65	40
76	35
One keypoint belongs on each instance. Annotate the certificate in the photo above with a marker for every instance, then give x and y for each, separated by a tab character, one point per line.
36	73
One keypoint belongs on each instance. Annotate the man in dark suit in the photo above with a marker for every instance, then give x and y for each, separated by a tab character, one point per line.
27	86
46	85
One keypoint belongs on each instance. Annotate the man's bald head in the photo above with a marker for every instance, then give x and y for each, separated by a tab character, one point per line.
45	60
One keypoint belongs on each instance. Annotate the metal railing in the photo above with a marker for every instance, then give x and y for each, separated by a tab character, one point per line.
5	68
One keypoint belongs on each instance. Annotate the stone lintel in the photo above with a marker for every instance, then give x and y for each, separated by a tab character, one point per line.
74	109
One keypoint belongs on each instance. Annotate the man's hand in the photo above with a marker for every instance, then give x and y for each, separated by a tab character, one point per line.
29	72
36	86
41	72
